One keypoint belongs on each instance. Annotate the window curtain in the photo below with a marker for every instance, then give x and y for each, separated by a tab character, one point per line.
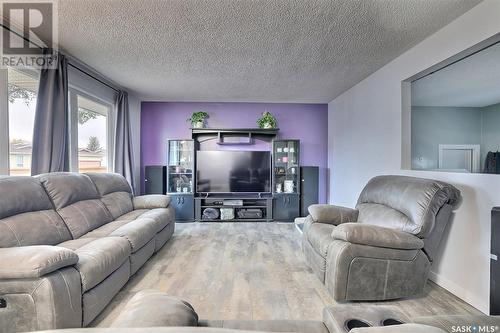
51	131
124	159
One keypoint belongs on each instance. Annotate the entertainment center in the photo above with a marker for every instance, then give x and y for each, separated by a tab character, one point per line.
216	176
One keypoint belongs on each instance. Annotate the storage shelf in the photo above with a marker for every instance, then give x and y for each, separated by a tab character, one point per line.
226	206
236	220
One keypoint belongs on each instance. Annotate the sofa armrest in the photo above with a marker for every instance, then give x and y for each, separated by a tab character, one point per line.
332	214
151	201
34	261
372	235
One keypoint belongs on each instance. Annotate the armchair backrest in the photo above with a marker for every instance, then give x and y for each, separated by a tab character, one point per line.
405	203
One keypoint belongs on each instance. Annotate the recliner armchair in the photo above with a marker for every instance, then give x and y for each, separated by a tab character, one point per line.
383	249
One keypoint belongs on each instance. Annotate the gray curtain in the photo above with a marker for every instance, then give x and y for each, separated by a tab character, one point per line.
124	159
51	133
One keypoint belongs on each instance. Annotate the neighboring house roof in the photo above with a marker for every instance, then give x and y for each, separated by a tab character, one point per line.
20	147
25	147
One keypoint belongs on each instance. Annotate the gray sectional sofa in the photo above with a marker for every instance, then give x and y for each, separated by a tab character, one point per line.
383	249
69	242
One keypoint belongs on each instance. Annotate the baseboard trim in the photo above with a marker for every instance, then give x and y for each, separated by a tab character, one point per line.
460	292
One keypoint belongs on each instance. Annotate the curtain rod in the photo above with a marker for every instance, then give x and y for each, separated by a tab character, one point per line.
70	60
92	76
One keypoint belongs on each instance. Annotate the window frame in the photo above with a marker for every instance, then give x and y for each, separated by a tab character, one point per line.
4	116
73	93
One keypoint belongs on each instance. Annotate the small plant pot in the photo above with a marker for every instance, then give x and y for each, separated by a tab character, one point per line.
199	124
268	126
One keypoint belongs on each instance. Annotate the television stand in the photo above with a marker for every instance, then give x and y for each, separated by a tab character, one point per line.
254	208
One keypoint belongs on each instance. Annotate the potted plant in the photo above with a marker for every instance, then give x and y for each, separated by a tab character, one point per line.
267	120
198	119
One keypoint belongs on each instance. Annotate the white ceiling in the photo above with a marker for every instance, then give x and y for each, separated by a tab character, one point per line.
246	50
471	82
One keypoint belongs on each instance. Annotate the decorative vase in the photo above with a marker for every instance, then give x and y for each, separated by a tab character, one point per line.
198	124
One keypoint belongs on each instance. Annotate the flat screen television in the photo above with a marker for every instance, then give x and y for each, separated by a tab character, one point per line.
233	171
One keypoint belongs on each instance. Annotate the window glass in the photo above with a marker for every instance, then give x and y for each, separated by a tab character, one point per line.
22	93
92	135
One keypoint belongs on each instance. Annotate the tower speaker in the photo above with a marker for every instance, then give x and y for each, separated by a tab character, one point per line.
309	188
155	179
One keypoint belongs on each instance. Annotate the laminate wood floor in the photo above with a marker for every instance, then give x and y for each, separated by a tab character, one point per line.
250	271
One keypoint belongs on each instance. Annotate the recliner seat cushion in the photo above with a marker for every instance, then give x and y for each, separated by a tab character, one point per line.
115	192
77	201
99	258
417	199
27	216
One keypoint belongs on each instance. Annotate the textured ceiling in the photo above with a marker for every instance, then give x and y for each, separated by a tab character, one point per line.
471	82
244	50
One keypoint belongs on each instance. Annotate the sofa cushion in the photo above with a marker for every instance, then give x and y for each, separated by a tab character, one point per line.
161	216
407	203
76	243
138	232
132	215
84	216
105	230
320	237
27	216
115	192
77	201
152	308
99	258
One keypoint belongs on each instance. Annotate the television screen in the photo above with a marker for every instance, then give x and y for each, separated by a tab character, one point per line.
233	171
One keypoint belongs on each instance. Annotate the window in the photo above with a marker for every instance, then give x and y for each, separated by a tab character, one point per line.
91	128
22	89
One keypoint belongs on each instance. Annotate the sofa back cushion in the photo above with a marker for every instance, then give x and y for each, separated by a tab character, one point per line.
27	216
77	201
404	203
115	192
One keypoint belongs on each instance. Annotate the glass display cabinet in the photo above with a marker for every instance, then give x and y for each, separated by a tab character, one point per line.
180	177
286	180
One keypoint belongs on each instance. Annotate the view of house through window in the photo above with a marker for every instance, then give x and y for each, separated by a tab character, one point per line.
22	93
92	135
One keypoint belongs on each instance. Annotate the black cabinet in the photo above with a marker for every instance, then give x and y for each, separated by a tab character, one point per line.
184	207
154	179
286	207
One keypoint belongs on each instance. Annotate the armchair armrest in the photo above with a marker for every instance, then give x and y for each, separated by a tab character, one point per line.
372	235
151	201
34	261
332	214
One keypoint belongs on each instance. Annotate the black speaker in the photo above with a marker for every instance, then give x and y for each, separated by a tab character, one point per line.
309	188
155	179
494	264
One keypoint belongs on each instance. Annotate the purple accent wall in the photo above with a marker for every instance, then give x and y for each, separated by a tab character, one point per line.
167	120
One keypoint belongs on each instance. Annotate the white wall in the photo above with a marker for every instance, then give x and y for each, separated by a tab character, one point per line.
365	140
